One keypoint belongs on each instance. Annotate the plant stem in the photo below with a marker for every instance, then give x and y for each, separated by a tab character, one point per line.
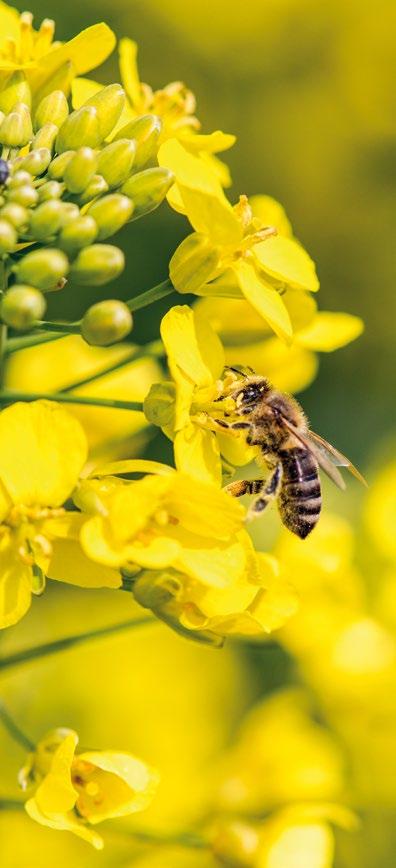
31	340
10	396
67	328
151	295
11	805
183	839
13	729
69	642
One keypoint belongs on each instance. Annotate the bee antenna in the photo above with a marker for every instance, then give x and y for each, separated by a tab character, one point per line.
237	371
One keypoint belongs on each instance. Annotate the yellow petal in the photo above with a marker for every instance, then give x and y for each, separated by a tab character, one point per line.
42	452
329	331
86	50
286	261
290	369
192	344
99	544
15	587
83	89
203	509
64	823
310	845
205	204
264	298
56	795
271	213
127	784
235	449
70	564
211	143
129	70
215	566
197	454
9	23
132	465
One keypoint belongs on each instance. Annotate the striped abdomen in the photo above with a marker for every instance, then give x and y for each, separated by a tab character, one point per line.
300	499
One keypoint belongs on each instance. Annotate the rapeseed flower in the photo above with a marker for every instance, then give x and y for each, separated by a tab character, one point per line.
74	791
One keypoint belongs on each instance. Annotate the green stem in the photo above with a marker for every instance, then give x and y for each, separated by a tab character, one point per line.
183	839
13	729
154	349
11	805
66	328
151	295
31	340
69	642
11	395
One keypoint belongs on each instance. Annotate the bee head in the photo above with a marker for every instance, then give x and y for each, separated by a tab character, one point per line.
252	392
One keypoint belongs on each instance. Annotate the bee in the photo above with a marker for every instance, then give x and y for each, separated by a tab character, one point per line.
275	422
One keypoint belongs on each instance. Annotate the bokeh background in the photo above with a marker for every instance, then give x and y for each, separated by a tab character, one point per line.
309	89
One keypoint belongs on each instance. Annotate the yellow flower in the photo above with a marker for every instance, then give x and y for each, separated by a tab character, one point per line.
232	253
35	52
42	452
196	362
76	790
302	835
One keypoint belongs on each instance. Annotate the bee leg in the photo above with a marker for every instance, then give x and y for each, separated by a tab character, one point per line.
269	491
236	426
244	486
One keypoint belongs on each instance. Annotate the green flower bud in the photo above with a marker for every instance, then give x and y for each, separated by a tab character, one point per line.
159	404
37	161
146	131
50	190
44	269
59	164
45	138
22	306
15	90
26	195
78	234
96	187
52	109
193	263
80	170
16	214
46	219
110	214
148	189
19	178
8	237
80	128
116	160
70	213
98	264
106	322
109	103
16	128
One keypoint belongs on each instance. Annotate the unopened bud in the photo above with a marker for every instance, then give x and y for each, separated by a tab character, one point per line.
235	844
193	263
50	190
25	195
19	178
70	213
16	128
8	237
44	269
80	170
146	131
110	214
37	162
45	220
96	187
148	189
22	306
106	323
59	165
15	214
16	90
98	264
79	128
109	103
78	234
53	109
116	160
45	138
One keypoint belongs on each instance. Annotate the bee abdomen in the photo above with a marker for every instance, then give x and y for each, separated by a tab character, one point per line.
300	498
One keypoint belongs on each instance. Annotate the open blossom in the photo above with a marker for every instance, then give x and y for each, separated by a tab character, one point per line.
75	790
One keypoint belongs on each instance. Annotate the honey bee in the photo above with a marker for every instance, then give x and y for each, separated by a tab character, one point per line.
276	423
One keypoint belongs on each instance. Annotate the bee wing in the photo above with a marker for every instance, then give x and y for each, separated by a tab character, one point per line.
335	456
319	454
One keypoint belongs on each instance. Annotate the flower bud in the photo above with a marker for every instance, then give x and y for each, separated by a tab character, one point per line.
78	234
26	195
109	103
44	269
80	170
146	131
52	109
50	190
148	189
45	138
16	214
59	164
110	214
16	128
96	187
19	178
106	322
79	128
193	263
16	90
22	306
159	404
98	264
70	213
37	162
45	220
116	160
235	844
8	237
